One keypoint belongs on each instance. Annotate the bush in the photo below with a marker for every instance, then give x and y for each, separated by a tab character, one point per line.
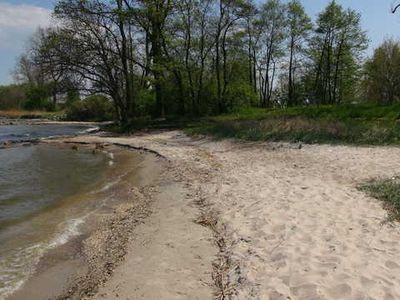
241	95
38	99
94	108
12	97
39	104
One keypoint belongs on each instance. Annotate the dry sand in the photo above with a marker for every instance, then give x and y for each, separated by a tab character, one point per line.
291	224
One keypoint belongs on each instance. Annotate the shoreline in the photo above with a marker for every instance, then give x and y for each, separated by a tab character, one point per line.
289	223
75	268
285	222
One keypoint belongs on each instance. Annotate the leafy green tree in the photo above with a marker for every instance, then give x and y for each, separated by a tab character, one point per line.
96	43
93	108
13	96
382	74
299	27
151	16
271	47
336	51
197	57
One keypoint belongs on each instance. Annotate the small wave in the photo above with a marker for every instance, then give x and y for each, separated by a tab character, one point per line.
110	184
17	268
21	135
71	230
89	130
20	266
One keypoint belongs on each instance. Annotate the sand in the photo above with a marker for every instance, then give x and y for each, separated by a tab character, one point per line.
279	222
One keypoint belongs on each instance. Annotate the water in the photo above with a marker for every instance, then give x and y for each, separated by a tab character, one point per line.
30	132
43	190
46	194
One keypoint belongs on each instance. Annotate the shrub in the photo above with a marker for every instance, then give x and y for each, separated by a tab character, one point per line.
12	97
38	99
39	104
93	108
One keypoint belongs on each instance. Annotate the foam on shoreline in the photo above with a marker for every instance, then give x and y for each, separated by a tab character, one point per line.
107	198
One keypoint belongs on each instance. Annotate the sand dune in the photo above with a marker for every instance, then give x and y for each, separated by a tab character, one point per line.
296	226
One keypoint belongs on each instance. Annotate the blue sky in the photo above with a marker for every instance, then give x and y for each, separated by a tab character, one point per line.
20	18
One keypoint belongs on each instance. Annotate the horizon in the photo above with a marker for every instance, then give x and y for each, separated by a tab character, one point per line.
20	18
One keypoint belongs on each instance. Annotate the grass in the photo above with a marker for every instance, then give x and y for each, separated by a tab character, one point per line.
388	191
342	124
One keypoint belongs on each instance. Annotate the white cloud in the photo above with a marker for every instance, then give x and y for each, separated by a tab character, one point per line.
18	22
23	16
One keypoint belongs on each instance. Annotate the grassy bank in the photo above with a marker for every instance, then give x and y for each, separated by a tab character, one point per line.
387	191
344	124
26	114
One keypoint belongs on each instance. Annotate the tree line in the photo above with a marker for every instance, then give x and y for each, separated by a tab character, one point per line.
198	57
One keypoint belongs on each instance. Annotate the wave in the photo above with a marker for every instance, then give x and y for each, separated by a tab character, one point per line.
19	266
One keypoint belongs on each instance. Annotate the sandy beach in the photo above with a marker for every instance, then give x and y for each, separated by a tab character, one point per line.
256	221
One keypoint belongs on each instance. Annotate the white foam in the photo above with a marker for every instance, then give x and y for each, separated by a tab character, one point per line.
71	230
25	260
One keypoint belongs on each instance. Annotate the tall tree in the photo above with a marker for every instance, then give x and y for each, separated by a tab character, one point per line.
273	25
382	74
299	27
253	36
189	46
152	15
336	50
95	42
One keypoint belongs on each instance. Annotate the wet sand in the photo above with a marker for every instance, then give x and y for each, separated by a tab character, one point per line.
289	221
252	221
77	267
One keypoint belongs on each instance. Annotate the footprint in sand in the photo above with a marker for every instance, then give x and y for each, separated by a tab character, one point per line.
341	291
392	265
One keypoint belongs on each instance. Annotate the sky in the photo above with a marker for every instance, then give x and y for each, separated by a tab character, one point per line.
20	18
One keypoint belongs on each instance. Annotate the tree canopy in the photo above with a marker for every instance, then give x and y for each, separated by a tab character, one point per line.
192	57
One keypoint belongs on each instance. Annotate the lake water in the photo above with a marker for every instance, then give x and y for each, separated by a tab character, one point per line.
46	194
30	132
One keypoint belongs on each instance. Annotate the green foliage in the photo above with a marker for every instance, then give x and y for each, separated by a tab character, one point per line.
195	58
336	49
145	102
300	26
12	97
348	124
38	98
382	74
241	95
388	191
72	97
93	108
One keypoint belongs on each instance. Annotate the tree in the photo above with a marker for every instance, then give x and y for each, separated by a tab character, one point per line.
12	96
336	50
382	74
189	44
44	49
252	40
96	42
299	27
395	8
29	73
168	57
151	15
272	27
26	71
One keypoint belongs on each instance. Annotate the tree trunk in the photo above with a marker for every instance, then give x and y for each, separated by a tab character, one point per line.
291	100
